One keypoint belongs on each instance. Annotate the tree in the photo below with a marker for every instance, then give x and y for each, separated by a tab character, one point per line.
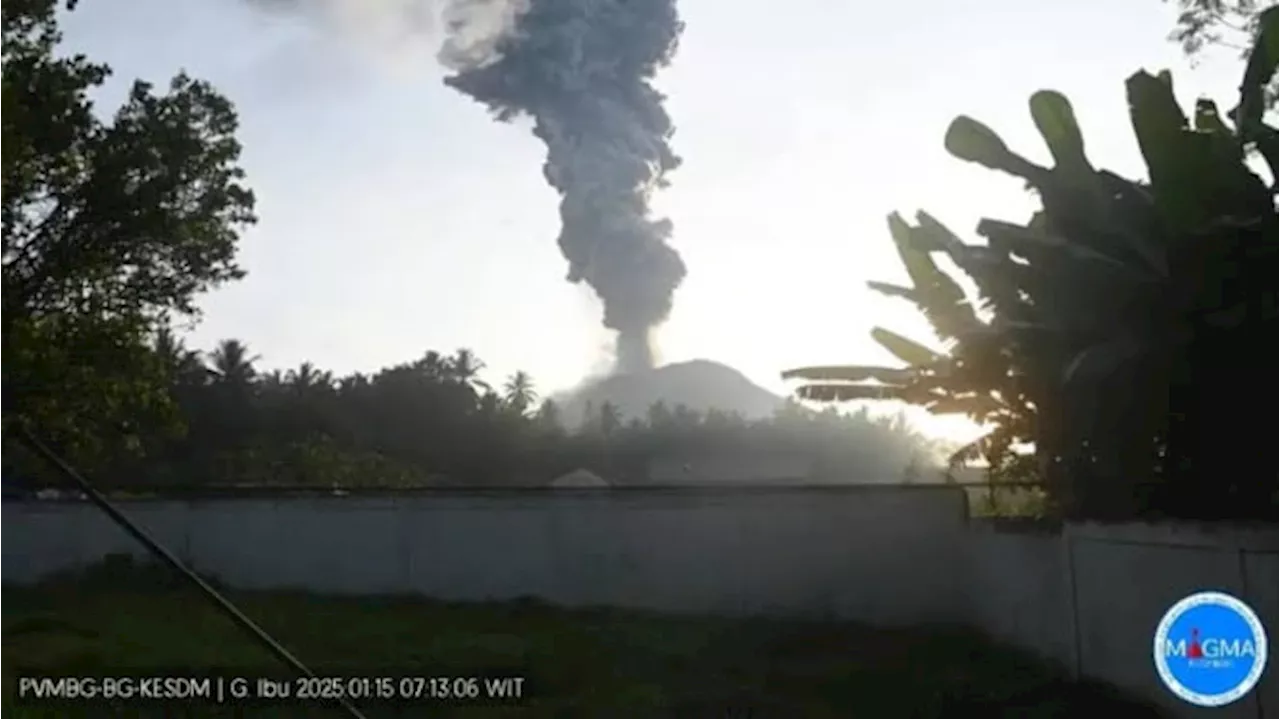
464	367
110	228
1229	23
413	423
233	365
519	394
660	417
182	365
610	418
1119	314
548	418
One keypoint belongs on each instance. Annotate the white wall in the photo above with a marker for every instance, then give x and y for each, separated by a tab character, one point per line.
1088	597
843	552
1092	595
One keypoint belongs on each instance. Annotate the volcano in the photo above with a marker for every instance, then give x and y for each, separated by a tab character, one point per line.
700	385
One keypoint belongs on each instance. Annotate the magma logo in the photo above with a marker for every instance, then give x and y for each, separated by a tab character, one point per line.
1211	652
1210	649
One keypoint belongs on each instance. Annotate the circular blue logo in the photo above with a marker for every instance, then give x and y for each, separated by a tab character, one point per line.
1210	649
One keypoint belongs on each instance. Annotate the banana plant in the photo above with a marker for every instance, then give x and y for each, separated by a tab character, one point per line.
1103	299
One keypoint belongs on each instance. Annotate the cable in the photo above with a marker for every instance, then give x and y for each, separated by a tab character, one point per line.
28	438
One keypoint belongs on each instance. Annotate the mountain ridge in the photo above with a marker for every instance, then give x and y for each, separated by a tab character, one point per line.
699	384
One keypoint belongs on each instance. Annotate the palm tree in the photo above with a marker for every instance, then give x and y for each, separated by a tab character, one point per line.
464	367
518	392
182	364
233	364
273	381
307	378
433	365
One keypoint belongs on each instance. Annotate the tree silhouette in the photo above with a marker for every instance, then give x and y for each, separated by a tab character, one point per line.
110	226
1115	313
232	364
519	394
610	419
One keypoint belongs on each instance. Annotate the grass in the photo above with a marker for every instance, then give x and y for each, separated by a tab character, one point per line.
120	618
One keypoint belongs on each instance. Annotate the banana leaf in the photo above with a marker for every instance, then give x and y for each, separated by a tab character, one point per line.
847	392
1020	236
974	405
973	141
887	375
1258	71
909	351
892	290
1056	121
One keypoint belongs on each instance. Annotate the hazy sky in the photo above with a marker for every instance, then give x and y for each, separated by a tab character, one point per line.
396	217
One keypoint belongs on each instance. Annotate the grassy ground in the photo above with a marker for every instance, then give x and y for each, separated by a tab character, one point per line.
595	663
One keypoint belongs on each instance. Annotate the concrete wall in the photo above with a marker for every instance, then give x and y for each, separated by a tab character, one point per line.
872	554
1088	597
738	467
1091	596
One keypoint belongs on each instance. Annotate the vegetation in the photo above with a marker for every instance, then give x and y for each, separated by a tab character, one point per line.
1228	24
435	421
113	228
123	618
1118	331
1209	23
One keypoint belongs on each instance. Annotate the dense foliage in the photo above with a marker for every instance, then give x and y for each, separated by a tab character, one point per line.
1207	23
111	228
434	421
1121	330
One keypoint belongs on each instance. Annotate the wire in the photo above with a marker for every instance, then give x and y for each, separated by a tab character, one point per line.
28	438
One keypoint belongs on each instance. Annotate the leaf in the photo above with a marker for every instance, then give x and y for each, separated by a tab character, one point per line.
935	235
1265	142
847	392
1012	234
1056	121
973	141
966	454
1208	120
1194	176
892	290
973	405
931	232
919	266
887	375
1258	71
909	351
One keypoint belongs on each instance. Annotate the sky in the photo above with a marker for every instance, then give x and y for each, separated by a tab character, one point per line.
396	217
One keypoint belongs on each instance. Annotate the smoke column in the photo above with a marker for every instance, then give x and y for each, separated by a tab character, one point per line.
582	70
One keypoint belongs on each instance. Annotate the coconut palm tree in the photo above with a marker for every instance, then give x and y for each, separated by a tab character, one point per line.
464	367
183	365
232	363
518	392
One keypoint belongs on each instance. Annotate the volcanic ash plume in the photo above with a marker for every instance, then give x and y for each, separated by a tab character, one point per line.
581	69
